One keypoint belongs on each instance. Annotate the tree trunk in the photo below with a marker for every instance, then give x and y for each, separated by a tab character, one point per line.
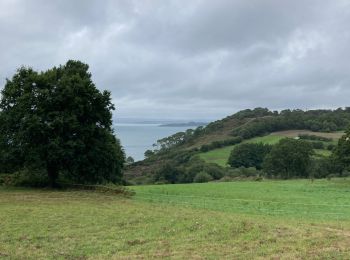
52	172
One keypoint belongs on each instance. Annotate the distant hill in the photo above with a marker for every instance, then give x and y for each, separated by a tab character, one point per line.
180	148
188	124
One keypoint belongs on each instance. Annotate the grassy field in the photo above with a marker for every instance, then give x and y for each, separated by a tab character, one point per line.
221	155
319	199
180	222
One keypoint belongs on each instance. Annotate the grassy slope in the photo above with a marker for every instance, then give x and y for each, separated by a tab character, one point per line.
220	156
320	199
84	225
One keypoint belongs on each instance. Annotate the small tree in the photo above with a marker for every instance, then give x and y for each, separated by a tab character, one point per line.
202	177
148	153
129	160
289	158
59	121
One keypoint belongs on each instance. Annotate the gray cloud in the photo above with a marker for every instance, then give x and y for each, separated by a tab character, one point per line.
189	59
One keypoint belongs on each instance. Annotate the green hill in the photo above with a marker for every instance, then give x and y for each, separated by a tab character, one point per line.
214	142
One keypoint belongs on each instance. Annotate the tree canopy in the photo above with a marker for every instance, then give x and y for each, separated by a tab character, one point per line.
289	158
59	121
249	155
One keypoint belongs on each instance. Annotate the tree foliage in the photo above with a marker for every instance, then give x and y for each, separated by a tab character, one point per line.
289	158
59	121
342	151
249	155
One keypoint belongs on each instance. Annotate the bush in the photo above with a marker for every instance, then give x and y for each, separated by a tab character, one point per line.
331	147
219	144
288	159
317	145
202	177
26	178
315	138
243	172
214	170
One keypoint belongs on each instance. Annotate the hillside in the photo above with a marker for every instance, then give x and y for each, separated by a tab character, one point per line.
221	155
214	142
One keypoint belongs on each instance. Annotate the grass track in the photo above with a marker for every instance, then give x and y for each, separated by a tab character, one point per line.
39	224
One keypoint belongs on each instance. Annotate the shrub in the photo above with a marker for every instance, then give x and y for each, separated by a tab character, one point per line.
317	145
25	177
214	170
202	177
243	172
219	144
315	138
331	147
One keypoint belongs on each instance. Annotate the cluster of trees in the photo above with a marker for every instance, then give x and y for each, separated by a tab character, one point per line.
289	158
58	124
292	158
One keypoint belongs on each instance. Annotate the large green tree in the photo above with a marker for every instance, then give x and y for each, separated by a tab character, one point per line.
289	158
249	155
59	121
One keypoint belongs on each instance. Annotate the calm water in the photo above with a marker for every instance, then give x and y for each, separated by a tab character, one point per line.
137	138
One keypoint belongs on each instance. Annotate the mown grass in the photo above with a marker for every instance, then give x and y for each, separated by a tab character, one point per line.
43	224
220	156
313	199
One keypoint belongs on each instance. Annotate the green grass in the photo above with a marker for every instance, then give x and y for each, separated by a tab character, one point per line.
319	199
179	222
221	155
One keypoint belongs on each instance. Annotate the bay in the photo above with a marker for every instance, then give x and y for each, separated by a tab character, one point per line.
136	138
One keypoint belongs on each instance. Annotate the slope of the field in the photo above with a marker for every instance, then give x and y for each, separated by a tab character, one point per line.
43	224
294	199
221	155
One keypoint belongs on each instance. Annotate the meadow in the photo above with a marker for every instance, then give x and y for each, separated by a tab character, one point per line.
270	219
221	155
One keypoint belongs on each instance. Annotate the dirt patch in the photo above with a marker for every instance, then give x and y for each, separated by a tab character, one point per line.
340	232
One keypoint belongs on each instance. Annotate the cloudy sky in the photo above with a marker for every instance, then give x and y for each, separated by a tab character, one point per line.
189	59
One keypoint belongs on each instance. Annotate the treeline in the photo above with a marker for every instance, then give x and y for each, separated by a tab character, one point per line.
219	144
291	158
314	120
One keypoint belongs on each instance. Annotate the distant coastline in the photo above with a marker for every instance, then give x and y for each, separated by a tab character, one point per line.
187	124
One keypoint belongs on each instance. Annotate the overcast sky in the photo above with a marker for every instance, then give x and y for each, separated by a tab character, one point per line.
189	59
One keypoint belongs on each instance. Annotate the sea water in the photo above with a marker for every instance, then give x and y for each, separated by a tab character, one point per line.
136	138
